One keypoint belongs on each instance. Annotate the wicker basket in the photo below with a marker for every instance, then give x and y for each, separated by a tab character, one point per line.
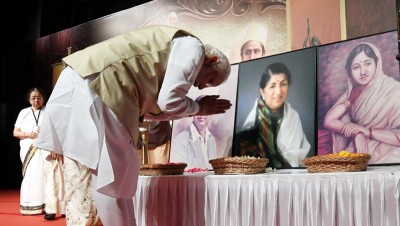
162	169
239	165
332	163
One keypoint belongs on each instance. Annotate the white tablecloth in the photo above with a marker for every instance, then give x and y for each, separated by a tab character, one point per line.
281	198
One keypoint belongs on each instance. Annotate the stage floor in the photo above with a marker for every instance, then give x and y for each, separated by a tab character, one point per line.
10	215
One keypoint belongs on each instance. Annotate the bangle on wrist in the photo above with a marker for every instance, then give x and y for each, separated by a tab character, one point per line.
358	133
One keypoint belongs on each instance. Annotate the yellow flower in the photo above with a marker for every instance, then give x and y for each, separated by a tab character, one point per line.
344	153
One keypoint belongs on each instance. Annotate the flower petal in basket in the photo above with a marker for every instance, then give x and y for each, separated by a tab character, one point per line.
334	163
170	168
239	165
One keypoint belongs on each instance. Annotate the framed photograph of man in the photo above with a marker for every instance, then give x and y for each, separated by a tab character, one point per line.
358	97
275	111
198	139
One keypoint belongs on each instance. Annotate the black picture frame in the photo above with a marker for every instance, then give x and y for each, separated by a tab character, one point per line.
301	96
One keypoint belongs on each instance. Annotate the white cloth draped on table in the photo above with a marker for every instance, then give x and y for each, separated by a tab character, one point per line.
170	200
282	198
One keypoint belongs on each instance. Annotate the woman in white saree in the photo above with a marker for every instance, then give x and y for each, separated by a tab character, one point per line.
366	118
26	129
42	185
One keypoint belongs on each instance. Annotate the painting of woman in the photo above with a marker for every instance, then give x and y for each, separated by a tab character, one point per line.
366	118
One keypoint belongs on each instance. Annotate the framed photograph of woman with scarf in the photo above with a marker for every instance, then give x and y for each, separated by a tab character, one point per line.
275	110
359	97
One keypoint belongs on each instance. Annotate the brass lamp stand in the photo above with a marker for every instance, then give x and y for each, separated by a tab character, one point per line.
144	128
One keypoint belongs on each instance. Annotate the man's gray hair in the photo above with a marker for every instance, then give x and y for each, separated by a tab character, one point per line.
223	64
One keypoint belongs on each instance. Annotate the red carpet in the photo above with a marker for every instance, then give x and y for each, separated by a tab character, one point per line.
10	216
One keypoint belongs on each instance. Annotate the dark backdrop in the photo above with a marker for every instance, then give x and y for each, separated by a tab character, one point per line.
21	24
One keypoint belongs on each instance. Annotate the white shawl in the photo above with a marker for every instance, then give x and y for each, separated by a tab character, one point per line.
292	142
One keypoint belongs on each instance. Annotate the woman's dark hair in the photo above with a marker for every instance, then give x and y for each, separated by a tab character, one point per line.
357	50
35	89
273	69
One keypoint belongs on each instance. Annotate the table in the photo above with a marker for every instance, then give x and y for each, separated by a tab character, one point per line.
281	198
